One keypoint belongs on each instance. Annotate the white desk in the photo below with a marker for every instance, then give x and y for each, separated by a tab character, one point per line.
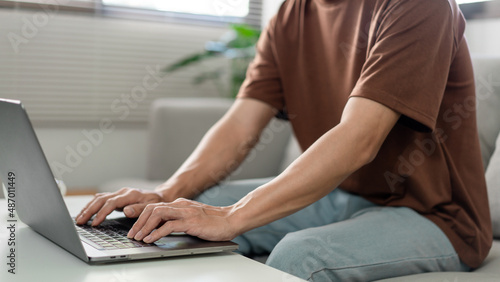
38	259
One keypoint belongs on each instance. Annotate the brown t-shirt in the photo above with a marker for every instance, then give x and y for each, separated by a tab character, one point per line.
411	56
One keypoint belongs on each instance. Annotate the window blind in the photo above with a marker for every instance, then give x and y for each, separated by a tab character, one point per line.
84	67
127	9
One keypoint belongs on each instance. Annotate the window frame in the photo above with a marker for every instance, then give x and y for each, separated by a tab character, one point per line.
84	7
97	8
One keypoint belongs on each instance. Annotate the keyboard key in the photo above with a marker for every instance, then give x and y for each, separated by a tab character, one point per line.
108	237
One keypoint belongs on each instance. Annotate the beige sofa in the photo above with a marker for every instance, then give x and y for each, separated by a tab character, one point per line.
176	126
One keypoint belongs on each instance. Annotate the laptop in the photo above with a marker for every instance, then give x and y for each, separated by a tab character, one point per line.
40	204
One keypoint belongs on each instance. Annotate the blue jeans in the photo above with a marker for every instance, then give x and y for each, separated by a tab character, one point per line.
343	237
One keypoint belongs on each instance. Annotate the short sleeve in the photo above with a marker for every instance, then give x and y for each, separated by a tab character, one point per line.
262	80
408	60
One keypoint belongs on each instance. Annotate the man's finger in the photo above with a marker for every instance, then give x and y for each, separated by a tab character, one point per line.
111	204
86	207
158	214
91	208
143	218
133	211
152	222
164	230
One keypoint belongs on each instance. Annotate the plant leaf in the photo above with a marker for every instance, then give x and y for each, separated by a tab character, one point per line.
207	75
186	61
245	36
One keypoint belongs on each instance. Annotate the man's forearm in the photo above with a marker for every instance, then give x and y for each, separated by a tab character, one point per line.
220	151
217	155
313	175
332	158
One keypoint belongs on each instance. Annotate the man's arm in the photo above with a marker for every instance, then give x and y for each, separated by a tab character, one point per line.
354	142
220	151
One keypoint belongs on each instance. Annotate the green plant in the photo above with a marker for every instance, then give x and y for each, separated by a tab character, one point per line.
238	45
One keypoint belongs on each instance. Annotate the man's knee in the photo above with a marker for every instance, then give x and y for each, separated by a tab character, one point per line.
298	255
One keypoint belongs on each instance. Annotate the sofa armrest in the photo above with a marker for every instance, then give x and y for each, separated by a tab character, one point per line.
176	126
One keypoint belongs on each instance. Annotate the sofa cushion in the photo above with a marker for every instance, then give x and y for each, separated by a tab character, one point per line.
488	272
487	78
493	183
292	152
117	184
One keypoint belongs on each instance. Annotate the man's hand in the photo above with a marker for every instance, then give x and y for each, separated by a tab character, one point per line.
182	215
131	200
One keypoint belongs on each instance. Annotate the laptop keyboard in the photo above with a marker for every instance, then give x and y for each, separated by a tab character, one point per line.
109	236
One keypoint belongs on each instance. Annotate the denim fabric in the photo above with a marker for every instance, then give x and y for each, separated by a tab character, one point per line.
343	237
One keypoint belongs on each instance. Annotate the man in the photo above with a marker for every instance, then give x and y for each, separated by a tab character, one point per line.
379	95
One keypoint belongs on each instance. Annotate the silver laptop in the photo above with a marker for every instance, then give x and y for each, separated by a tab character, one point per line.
40	205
